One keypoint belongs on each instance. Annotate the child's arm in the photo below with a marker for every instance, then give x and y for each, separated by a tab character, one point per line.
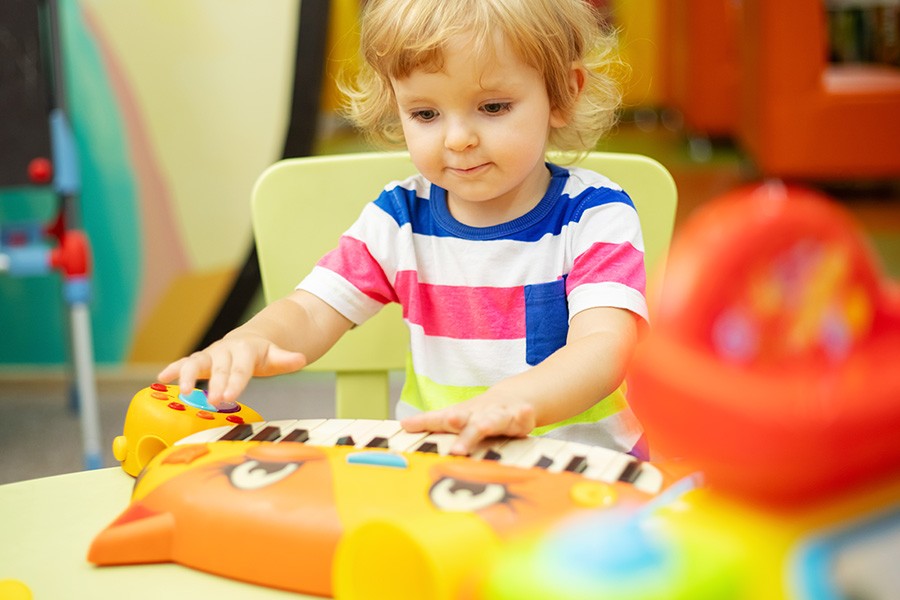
285	336
588	368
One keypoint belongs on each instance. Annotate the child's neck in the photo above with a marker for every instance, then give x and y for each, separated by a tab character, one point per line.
506	208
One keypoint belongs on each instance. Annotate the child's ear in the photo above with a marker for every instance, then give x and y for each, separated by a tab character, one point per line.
577	78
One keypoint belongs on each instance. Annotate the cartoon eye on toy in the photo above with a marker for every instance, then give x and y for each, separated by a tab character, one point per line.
458	495
254	475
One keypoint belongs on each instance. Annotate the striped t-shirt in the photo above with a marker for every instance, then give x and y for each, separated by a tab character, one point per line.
485	303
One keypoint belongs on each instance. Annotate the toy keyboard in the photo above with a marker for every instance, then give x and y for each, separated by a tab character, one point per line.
592	462
344	507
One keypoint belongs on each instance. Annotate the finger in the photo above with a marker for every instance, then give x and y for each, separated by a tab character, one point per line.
475	430
192	368
515	421
435	420
170	372
219	374
241	370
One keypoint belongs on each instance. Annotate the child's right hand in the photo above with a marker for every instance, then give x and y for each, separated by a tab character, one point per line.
230	363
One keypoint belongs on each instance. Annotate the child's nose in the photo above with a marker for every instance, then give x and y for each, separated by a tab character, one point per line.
459	135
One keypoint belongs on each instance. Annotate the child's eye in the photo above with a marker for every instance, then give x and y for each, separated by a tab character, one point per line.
496	108
425	115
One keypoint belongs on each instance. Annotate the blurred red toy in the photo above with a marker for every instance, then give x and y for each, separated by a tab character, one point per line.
773	361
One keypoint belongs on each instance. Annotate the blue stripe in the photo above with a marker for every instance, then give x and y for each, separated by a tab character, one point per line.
556	210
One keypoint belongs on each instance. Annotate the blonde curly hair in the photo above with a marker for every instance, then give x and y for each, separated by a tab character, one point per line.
400	36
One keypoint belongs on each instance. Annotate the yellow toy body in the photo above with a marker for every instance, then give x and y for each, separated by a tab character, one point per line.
160	415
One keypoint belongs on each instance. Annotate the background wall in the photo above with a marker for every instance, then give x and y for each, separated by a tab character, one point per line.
176	107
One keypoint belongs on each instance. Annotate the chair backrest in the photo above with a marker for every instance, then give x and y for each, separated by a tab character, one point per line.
301	206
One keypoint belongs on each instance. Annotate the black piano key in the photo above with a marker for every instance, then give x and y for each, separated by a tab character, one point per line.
267	434
492	455
238	433
577	465
428	447
345	440
378	442
297	435
631	472
544	462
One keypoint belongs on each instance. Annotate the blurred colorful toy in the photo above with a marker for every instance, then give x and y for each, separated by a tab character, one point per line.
160	415
773	360
771	368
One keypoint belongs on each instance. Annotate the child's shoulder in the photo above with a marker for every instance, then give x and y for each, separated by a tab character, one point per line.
402	199
585	190
413	186
580	179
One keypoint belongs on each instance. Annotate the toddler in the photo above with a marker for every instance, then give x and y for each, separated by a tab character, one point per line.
522	281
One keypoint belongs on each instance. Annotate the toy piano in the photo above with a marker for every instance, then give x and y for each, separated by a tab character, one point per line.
357	508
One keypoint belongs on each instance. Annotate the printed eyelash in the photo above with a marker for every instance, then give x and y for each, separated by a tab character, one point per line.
475	487
269	467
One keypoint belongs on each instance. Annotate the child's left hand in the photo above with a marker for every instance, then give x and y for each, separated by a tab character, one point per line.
474	420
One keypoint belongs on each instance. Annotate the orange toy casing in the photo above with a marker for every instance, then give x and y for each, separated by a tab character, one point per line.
772	367
356	523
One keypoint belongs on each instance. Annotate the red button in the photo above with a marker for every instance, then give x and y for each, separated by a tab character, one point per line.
235	419
176	405
159	387
203	414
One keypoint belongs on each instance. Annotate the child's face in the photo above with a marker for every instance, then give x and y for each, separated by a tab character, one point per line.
479	128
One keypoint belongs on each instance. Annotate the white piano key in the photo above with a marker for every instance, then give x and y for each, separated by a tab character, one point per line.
565	454
207	435
606	465
486	446
358	430
442	441
527	452
404	441
650	480
324	433
603	462
384	430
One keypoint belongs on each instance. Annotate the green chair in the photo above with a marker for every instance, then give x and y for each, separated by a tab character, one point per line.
301	206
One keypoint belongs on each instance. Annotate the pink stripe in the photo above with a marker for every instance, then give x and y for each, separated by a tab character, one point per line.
459	312
352	260
621	263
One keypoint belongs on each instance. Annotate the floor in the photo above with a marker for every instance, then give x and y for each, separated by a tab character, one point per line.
41	435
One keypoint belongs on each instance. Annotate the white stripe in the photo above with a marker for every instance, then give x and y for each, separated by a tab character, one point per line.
619	431
615	223
581	179
340	294
416	182
490	263
614	294
384	239
466	362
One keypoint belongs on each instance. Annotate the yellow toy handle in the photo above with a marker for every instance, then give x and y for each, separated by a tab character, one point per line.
410	559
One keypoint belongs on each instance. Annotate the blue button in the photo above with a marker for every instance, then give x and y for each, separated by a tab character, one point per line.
197	399
378	459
